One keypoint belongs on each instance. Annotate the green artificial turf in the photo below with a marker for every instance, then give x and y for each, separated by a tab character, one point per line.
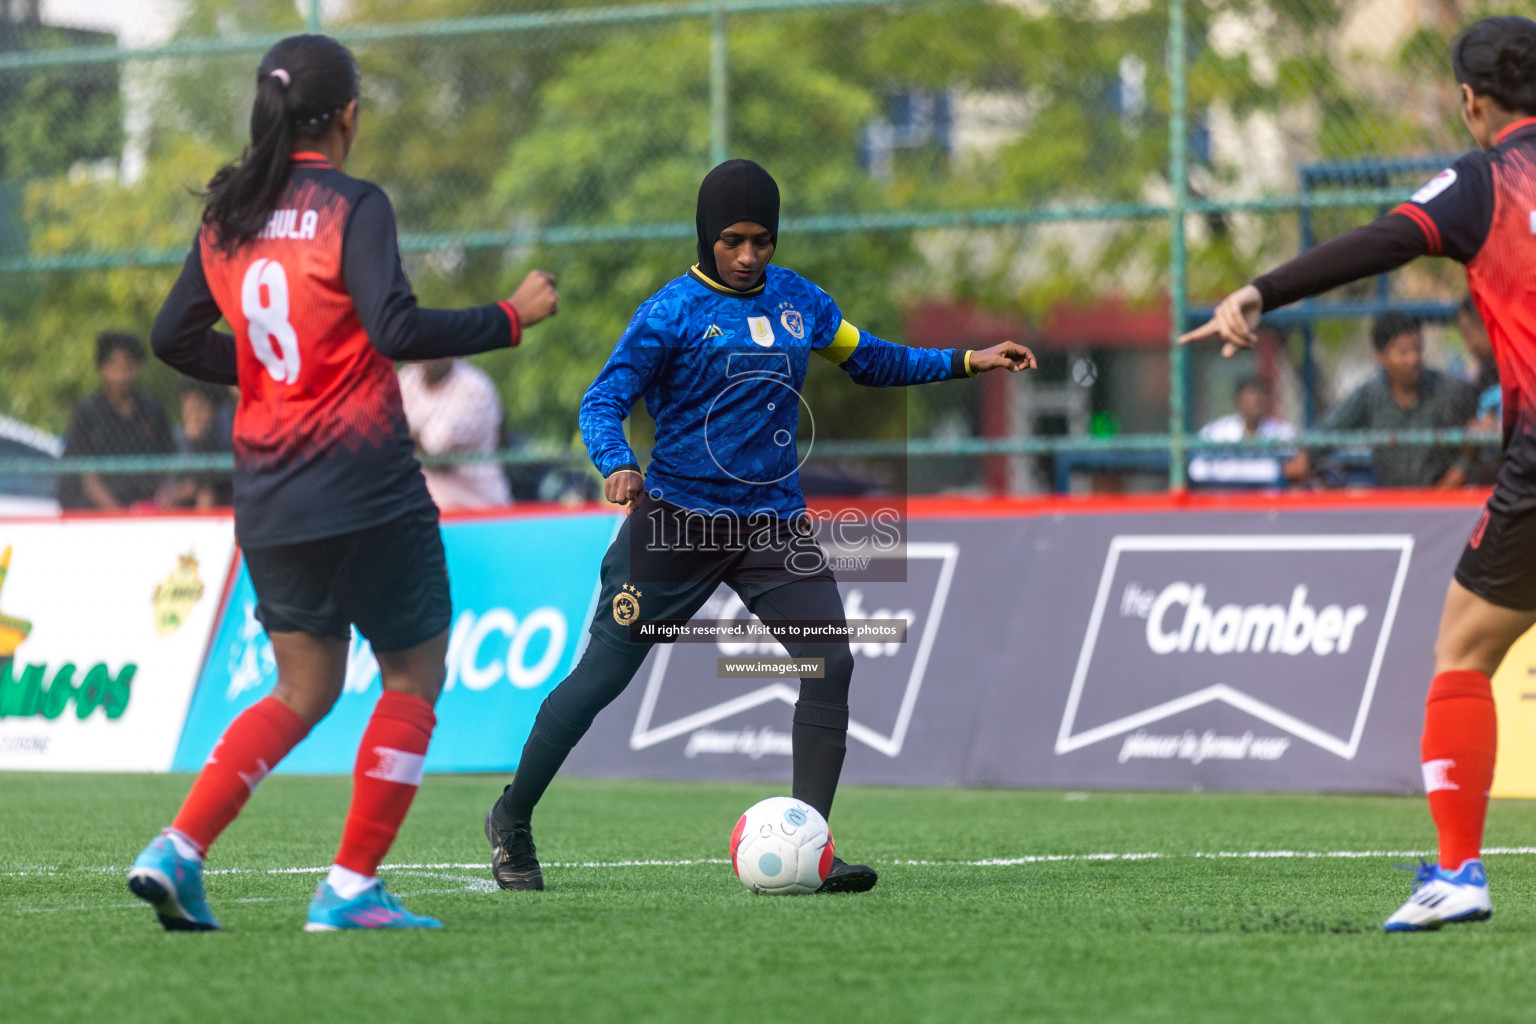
1175	937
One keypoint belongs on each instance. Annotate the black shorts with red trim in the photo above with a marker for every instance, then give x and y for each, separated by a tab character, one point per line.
390	580
1499	563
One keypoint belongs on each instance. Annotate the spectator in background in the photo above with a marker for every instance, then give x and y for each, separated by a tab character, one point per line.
1250	421
453	407
118	419
1483	461
1474	336
1406	396
205	429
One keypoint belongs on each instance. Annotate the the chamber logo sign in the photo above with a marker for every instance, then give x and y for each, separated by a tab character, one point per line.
684	699
1179	621
1288	630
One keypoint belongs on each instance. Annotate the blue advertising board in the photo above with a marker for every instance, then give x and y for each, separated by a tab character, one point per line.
523	588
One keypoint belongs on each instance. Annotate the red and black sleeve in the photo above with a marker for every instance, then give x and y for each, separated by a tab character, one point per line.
1449	216
183	334
387	307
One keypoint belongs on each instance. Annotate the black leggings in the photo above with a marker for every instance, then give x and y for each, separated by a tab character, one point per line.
606	667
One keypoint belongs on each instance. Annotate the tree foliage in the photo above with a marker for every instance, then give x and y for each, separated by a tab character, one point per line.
1064	102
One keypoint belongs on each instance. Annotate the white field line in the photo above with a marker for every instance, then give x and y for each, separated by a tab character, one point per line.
137	904
480	884
988	862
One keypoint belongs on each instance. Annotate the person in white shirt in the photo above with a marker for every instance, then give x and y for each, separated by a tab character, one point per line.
453	407
1251	421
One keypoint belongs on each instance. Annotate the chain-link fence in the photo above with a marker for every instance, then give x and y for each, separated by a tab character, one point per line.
1076	174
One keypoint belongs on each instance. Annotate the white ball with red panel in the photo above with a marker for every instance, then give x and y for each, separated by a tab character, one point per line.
781	846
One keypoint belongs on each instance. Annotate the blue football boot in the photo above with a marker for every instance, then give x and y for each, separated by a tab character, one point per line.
375	908
173	885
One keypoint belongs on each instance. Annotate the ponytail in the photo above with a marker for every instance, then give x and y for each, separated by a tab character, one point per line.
1497	58
302	83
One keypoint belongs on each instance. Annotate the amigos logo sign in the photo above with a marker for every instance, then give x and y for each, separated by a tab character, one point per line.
29	690
103	623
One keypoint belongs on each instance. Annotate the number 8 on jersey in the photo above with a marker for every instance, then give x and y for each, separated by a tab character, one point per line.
269	320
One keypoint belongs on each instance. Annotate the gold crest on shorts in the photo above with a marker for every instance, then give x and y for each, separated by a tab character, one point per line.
626	605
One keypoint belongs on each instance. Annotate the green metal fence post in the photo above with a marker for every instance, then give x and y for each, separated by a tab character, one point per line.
1178	284
719	89
314	16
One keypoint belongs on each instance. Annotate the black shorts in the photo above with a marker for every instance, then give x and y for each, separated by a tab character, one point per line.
1499	563
653	573
390	580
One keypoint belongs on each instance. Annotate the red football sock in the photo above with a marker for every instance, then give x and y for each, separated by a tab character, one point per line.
1461	737
250	748
388	771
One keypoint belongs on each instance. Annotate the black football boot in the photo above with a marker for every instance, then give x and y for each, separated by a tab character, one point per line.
845	877
514	862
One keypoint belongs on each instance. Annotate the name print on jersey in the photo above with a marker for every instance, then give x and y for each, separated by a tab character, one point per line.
288	224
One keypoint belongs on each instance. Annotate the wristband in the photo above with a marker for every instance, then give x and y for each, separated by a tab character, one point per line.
517	321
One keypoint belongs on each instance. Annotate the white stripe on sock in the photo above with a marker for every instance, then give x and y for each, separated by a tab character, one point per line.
1437	775
400	766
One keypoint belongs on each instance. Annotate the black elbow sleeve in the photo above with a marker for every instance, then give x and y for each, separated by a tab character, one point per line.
162	341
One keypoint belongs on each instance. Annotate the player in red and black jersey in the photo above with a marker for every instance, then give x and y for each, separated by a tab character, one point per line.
331	508
1481	211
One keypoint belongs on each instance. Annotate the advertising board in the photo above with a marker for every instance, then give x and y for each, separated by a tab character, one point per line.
522	586
103	625
1243	649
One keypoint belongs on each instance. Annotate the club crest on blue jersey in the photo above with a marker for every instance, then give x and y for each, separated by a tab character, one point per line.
794	323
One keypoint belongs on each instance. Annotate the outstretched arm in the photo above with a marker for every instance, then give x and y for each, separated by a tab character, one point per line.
1364	252
387	307
183	334
632	366
1449	216
875	362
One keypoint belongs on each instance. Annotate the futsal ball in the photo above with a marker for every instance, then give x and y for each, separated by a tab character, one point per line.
782	846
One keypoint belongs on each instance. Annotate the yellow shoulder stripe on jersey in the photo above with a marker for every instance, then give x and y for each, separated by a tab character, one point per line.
843	343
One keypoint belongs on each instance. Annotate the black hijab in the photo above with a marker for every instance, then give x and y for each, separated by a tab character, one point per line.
737	190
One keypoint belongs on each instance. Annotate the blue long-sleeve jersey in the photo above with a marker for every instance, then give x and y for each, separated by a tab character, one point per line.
721	372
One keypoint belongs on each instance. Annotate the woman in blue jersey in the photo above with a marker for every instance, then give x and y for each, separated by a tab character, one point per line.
714	354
